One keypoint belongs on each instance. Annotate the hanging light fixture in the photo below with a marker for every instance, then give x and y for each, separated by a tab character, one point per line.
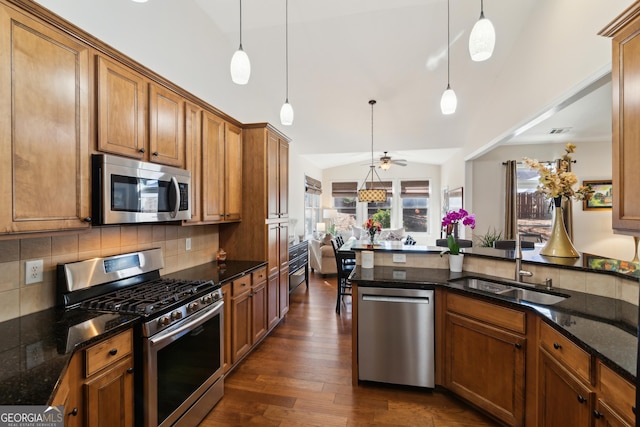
240	64
372	194
139	1
482	39
449	101
286	112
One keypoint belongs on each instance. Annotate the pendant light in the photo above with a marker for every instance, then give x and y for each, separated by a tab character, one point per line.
240	64
449	101
139	1
372	194
286	112
483	38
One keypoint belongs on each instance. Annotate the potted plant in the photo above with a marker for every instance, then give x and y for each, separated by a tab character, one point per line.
451	221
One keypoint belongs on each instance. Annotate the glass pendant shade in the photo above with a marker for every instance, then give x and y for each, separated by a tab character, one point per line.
286	114
449	101
240	67
482	39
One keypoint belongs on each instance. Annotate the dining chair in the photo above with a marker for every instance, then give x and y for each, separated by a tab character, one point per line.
344	269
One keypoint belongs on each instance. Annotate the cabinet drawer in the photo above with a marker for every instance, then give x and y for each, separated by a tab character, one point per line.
496	315
616	392
565	351
259	276
241	285
107	352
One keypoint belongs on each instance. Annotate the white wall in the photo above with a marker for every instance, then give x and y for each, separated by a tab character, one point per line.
592	231
413	171
298	168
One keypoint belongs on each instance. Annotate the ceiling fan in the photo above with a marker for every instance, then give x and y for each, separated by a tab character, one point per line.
386	162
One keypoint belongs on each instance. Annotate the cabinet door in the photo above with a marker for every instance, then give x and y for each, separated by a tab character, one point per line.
166	127
283	258
607	417
110	396
486	366
193	150
212	167
259	311
241	321
233	173
562	399
283	178
273	313
273	185
121	110
228	323
44	127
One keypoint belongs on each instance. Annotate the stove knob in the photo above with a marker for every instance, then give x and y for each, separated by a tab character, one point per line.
193	306
207	299
164	321
176	315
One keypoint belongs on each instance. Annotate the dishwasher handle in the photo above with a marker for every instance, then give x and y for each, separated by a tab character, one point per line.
394	298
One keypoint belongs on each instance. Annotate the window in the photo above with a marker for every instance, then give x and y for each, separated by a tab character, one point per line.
415	205
534	216
381	211
312	201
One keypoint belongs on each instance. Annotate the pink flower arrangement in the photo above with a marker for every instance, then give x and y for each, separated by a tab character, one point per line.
454	217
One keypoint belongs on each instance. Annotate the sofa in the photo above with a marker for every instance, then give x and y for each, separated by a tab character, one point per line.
322	260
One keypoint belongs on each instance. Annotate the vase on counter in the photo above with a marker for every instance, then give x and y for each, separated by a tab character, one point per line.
372	235
455	263
559	244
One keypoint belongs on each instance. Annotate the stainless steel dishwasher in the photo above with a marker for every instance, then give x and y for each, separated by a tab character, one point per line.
396	336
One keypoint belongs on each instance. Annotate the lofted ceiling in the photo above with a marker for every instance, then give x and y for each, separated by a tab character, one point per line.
341	55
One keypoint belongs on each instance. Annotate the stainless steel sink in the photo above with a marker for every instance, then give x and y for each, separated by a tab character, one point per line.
513	292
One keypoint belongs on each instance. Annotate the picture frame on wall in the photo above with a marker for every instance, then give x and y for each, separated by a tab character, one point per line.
602	197
456	199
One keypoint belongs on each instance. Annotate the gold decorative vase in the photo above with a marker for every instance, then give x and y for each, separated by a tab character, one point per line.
559	244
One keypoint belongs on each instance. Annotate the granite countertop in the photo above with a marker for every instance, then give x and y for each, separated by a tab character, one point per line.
604	327
36	349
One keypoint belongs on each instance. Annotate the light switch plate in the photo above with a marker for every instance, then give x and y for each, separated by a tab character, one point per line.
399	258
187	244
33	271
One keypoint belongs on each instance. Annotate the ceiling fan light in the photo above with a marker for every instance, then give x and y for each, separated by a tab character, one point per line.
385	166
286	114
449	101
240	67
482	40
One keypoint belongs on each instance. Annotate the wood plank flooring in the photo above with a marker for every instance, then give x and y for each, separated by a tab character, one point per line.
300	375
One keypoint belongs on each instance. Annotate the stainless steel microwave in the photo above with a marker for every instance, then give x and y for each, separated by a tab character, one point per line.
130	191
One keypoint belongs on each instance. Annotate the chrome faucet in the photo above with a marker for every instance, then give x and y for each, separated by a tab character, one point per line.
518	256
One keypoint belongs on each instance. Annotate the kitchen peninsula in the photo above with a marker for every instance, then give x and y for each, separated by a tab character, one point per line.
576	356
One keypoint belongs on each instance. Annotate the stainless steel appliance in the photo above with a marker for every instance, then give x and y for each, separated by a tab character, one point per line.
179	339
396	336
130	191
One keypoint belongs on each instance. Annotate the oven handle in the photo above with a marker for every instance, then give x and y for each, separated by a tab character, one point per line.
171	334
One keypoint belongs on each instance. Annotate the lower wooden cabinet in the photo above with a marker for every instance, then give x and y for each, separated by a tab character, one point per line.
563	400
109	396
226	295
485	363
248	312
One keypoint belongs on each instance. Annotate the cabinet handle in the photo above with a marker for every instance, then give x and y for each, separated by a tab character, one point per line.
155	153
633	409
130	371
87	219
597	414
113	351
581	399
557	346
142	150
518	345
74	412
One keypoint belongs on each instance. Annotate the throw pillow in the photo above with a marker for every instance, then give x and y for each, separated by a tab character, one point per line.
326	240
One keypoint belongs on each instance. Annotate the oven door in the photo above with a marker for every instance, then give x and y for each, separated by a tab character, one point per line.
183	369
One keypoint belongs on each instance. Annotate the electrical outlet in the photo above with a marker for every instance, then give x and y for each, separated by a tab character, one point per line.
33	271
188	244
399	258
35	354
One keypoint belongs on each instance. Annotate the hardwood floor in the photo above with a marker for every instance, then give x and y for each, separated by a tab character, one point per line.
300	375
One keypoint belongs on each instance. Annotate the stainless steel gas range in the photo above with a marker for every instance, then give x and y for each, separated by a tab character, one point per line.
179	336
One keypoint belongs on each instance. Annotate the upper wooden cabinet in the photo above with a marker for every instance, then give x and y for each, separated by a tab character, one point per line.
221	170
122	110
124	116
44	127
277	176
625	79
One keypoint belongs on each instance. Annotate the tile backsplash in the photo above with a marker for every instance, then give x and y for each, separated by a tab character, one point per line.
17	299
